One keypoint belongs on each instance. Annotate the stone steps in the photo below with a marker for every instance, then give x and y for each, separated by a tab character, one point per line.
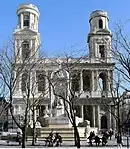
64	135
29	138
57	129
67	133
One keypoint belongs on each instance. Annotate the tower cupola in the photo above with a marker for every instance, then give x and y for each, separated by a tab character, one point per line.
28	16
99	37
98	21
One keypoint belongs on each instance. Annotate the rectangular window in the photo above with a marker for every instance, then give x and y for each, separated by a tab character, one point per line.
24	82
102	51
40	76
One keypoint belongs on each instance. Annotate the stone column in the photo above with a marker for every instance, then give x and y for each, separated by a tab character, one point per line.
97	116
82	112
95	80
110	122
81	81
92	81
108	80
35	22
93	116
20	50
21	18
31	47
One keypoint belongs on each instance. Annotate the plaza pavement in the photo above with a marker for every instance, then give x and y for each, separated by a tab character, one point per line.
68	144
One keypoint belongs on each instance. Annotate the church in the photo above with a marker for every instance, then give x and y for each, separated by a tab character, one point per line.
93	82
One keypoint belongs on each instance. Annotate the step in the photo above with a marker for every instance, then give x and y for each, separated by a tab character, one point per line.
56	129
62	135
64	138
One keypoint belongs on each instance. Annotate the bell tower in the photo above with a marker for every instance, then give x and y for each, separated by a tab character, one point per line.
99	37
26	35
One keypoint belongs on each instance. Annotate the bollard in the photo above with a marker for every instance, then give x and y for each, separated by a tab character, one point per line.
127	142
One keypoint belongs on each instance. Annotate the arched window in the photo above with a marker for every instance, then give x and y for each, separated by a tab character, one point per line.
102	81
100	24
103	122
86	81
26	20
24	82
25	50
40	75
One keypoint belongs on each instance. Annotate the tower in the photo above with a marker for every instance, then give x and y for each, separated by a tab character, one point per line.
26	35
99	37
26	49
100	55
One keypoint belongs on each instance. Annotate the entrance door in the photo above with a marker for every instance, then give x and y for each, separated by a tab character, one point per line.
104	122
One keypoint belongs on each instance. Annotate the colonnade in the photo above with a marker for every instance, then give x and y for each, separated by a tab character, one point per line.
94	79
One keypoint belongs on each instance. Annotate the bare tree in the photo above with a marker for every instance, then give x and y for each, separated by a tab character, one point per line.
14	72
65	84
121	54
39	84
114	105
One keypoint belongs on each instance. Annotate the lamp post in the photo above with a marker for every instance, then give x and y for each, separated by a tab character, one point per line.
75	135
119	122
118	103
127	135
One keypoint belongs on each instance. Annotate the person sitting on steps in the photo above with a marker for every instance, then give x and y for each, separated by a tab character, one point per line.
57	139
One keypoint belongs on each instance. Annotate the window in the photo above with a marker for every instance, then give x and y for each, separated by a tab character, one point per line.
24	82
26	20
40	81
102	51
19	21
102	81
86	81
76	82
25	50
100	24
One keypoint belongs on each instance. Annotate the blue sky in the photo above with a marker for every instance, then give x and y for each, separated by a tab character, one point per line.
63	24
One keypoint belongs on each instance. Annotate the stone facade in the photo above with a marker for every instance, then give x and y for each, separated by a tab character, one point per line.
96	70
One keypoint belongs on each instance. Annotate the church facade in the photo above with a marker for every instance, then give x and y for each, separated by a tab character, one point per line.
95	71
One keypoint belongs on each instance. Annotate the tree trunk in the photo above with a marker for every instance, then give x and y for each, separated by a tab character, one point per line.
23	137
77	136
119	123
34	129
33	134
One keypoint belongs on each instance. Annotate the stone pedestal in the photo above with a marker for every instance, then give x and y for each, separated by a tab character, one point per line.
63	121
59	121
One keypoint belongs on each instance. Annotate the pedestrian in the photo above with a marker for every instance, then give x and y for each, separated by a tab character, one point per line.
110	133
104	140
119	142
90	140
97	140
